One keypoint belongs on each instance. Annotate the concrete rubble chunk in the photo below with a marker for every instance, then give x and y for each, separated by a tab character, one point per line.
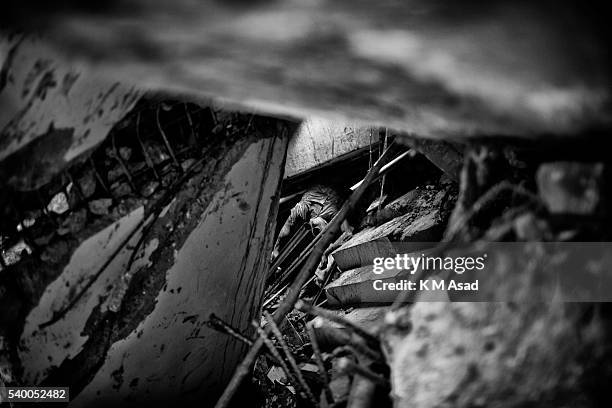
125	153
571	187
506	353
74	222
121	189
87	184
114	173
100	206
149	188
466	353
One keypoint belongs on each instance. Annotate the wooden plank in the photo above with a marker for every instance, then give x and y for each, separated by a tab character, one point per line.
318	141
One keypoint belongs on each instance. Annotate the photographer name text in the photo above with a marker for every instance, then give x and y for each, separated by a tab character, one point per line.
426	263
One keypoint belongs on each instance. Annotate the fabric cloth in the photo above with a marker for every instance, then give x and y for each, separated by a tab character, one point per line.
320	201
318	206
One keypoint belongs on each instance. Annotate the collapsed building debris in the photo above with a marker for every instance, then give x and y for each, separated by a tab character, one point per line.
365	352
451	353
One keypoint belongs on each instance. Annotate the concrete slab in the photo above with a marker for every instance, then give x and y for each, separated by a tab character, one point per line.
421	225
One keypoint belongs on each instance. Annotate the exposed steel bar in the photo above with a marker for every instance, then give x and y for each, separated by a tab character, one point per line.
145	153
166	141
98	176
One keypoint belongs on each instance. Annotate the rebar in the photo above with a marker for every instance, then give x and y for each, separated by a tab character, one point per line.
166	141
148	160
98	175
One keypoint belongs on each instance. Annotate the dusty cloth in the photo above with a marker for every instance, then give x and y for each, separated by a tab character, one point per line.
320	201
317	207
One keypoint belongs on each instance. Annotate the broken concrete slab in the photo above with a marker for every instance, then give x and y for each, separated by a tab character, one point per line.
123	314
52	111
422	225
172	337
67	335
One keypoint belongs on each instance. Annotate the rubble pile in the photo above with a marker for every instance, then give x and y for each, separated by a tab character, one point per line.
431	352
